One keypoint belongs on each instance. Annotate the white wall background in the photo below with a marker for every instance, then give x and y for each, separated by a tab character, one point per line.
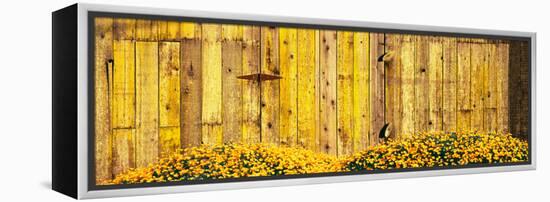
25	98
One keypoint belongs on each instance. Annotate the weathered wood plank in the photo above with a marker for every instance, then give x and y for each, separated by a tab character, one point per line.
168	30
147	102
124	29
490	88
361	94
307	73
422	86
146	30
407	85
464	108
327	85
450	84
191	85
211	84
232	37
376	85
345	92
169	97
479	66
123	104
123	150
269	55
502	59
288	44
435	85
103	53
251	88
518	88
393	84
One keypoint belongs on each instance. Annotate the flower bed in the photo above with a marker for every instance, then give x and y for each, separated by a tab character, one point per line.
421	150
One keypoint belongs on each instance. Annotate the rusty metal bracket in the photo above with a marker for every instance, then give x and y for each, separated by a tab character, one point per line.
260	77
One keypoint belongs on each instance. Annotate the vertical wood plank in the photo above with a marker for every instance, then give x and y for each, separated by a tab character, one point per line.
123	104
232	37
376	85
464	112
307	73
479	66
435	75
518	88
407	85
103	52
123	150
211	84
147	106
502	59
191	85
251	88
422	86
146	30
169	97
269	56
168	30
344	87
490	77
288	44
361	94
393	84
327	85
450	84
124	29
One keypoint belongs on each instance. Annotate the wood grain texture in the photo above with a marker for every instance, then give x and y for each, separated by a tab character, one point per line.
168	30
435	84
490	77
288	44
124	29
393	84
477	81
307	73
123	150
146	30
376	85
169	139
123	84
361	93
269	103
327	85
147	102
422	85
251	88
211	84
502	86
450	84
191	85
102	70
407	86
464	108
169	97
232	37
345	92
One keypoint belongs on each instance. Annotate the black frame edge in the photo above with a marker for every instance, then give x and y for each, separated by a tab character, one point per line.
64	101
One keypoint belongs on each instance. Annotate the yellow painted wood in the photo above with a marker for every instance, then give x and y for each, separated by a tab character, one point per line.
407	86
251	88
422	86
361	94
232	37
146	30
344	87
169	30
376	85
327	85
191	85
450	84
169	97
269	55
502	87
477	76
490	88
212	125
169	139
124	29
102	119
123	104
393	94
464	108
307	73
435	79
147	102
123	150
288	44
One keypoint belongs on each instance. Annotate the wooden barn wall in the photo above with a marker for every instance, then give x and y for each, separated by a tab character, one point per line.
162	85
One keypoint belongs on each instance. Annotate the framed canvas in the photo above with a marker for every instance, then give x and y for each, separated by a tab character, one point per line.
150	101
